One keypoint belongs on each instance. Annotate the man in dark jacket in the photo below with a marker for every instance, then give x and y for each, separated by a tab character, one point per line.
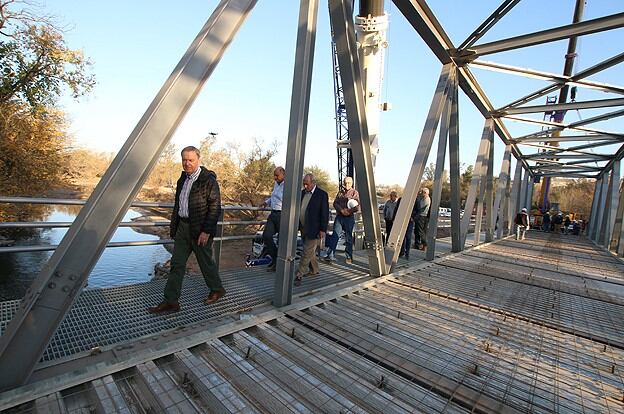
193	226
313	222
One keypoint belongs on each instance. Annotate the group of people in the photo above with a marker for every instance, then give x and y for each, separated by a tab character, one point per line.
197	208
418	221
313	222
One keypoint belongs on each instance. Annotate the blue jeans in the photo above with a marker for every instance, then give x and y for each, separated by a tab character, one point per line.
342	224
407	241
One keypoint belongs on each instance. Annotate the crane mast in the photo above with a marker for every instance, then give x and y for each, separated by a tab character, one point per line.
371	25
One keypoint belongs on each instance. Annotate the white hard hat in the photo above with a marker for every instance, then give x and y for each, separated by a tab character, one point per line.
352	203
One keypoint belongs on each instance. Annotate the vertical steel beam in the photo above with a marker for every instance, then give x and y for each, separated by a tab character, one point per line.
503	180
295	151
436	194
616	238
604	182
479	169
515	197
341	15
613	203
418	166
61	280
530	186
620	234
506	209
454	171
523	189
489	195
589	230
604	225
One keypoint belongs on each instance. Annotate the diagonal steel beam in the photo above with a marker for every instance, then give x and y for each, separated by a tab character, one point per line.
436	193
563	32
341	16
404	209
61	280
597	118
599	67
477	181
489	22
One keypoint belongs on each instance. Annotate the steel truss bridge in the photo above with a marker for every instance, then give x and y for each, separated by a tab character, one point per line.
505	326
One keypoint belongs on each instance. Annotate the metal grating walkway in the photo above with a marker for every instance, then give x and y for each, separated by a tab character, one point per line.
102	317
508	327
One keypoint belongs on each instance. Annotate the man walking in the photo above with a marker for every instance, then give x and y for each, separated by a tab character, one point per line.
313	221
193	226
346	203
388	212
423	202
272	226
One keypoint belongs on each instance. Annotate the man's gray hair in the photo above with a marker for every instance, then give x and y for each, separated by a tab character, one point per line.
280	169
189	149
310	176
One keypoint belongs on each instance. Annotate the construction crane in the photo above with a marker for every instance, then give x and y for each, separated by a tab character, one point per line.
371	25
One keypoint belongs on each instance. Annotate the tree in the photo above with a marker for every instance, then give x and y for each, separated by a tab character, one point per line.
36	68
323	180
574	197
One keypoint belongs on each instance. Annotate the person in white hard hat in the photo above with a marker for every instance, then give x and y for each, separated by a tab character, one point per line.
522	224
346	203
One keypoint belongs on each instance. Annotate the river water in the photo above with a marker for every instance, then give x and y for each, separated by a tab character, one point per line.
117	266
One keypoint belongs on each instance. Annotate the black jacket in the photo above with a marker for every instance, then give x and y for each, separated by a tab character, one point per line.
204	204
317	214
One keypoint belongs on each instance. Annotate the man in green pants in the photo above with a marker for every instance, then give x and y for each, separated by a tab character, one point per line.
193	226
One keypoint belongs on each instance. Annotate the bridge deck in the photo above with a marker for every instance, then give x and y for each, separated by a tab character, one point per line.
531	326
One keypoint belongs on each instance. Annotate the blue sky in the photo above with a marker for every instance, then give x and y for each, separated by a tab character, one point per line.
135	45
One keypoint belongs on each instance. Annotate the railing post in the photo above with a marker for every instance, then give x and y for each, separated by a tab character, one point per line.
216	247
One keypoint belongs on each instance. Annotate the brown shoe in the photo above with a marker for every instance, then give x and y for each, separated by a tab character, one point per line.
214	296
164	307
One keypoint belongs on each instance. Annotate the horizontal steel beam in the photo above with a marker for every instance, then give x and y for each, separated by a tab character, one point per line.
601	103
569	175
559	81
543	155
563	32
569	138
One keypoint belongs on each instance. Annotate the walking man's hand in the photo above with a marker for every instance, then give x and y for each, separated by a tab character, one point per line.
203	239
